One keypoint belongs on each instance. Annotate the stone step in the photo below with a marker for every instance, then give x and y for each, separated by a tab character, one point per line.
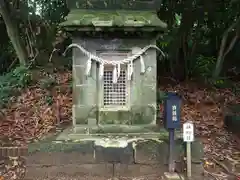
13	151
59	158
94	171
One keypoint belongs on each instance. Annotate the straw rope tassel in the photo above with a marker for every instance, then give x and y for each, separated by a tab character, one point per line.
142	65
130	70
101	70
88	66
114	78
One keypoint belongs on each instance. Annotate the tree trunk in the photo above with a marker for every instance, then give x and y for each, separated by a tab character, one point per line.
13	33
222	53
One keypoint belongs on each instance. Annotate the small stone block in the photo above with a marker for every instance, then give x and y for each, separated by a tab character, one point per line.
114	154
92	122
172	176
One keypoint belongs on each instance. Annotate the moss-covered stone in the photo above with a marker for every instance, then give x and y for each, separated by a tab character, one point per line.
160	150
106	117
150	74
79	75
127	130
142	114
119	18
114	117
84	94
79	94
136	116
148	93
83	113
110	4
232	118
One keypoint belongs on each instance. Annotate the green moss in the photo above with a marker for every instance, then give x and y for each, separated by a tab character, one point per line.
118	18
106	117
83	113
110	4
114	117
136	116
123	117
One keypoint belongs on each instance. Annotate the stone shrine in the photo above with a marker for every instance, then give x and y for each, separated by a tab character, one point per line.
114	64
114	109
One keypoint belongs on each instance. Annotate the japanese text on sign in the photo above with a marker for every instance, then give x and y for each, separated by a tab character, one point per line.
188	132
174	113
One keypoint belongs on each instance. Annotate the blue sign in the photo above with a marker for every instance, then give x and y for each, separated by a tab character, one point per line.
172	111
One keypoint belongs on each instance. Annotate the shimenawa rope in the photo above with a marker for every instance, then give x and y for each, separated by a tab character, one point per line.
116	64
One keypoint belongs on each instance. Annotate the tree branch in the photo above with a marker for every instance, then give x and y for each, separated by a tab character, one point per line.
225	36
233	42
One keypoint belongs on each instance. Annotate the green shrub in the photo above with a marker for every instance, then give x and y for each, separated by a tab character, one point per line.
48	82
21	77
49	100
12	82
204	66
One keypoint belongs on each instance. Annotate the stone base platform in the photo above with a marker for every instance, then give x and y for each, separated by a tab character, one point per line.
88	171
71	154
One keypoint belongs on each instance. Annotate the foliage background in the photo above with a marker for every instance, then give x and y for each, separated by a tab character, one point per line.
201	42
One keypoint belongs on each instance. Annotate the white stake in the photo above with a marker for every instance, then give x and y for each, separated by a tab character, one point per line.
189	160
188	137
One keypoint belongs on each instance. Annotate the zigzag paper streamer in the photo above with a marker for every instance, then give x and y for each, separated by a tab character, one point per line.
143	69
114	78
88	66
130	70
101	70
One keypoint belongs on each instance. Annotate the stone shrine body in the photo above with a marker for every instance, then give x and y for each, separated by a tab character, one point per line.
114	65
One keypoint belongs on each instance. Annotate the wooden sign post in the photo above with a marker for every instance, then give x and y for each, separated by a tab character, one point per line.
188	137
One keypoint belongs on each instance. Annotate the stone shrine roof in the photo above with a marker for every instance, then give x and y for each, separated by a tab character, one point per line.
113	18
